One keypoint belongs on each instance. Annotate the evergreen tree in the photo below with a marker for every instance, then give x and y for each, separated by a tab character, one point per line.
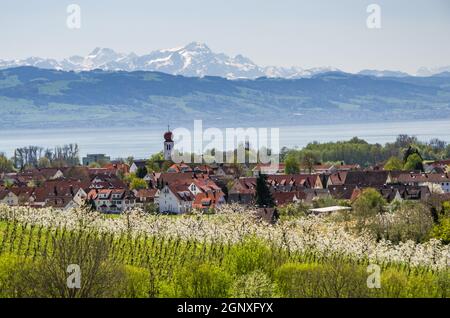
413	163
411	151
264	198
141	172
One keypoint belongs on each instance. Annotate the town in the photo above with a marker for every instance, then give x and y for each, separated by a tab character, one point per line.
158	185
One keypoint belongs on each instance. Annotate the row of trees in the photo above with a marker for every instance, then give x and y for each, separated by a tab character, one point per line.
38	157
358	151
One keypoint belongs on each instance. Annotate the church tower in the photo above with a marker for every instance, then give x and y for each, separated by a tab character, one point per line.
168	145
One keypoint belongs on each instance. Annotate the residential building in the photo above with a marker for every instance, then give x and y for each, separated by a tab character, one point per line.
175	199
436	182
92	158
138	164
112	201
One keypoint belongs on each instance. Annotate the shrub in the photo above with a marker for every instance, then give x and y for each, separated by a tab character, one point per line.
293	210
335	280
394	284
248	256
253	285
411	221
369	204
202	281
441	230
422	286
101	276
297	280
12	284
136	283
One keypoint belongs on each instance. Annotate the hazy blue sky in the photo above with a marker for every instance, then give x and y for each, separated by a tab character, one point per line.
283	32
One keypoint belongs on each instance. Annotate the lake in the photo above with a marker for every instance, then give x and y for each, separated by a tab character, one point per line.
142	142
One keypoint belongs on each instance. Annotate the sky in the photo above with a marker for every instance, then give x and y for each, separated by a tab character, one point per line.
413	33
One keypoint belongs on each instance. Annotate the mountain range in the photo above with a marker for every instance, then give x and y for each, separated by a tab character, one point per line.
33	97
193	60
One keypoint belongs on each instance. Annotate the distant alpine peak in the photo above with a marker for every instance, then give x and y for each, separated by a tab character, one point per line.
195	59
197	46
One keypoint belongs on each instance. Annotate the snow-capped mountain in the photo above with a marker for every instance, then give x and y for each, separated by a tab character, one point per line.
385	73
193	60
425	71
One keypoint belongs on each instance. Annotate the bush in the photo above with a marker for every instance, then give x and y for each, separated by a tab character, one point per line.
394	284
337	280
293	210
441	230
411	221
12	284
422	286
297	280
369	204
202	281
253	285
136	283
249	256
101	276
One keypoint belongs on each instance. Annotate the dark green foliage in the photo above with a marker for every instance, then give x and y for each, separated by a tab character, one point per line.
292	165
264	198
358	151
141	172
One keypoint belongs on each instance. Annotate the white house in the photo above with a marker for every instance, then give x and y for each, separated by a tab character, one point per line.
176	199
137	164
112	200
9	198
436	182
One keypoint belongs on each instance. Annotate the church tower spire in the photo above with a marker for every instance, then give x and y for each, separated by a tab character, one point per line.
168	144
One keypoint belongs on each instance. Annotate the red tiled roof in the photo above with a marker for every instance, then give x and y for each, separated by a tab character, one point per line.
206	200
423	177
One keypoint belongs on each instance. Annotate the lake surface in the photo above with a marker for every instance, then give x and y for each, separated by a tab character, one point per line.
142	142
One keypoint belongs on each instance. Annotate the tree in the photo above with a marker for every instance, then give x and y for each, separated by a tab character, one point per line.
94	165
151	208
44	162
394	163
141	172
368	205
437	145
79	173
404	141
60	156
264	198
293	210
292	165
6	165
100	274
138	184
154	163
409	152
413	221
309	159
441	230
414	162
447	152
